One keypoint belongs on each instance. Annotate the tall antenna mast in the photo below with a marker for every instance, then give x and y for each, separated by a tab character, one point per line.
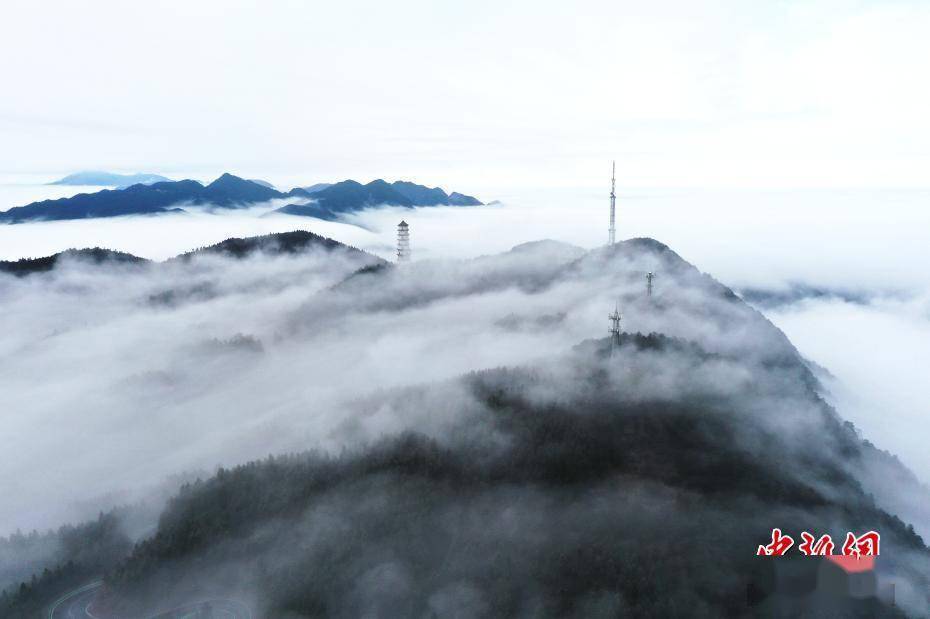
403	242
613	204
649	277
614	329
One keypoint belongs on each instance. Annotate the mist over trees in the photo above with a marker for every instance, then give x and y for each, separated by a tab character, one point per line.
453	437
542	500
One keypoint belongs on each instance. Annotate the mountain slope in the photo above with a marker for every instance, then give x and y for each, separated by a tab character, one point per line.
544	495
277	243
95	177
95	256
228	191
332	201
569	480
636	482
136	200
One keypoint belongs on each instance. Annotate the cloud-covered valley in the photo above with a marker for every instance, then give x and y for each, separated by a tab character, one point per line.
131	379
128	380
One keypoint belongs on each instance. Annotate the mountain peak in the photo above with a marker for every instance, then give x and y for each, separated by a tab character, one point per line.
229	189
226	179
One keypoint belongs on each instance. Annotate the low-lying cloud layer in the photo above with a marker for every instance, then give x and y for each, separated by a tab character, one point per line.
126	375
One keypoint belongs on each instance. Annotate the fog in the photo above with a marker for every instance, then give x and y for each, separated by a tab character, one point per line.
536	463
124	376
865	241
92	318
835	238
877	353
127	379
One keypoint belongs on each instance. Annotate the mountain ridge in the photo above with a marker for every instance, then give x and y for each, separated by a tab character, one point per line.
101	178
227	192
677	449
276	243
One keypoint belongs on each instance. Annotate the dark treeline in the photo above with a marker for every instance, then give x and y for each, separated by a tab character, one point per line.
57	561
96	255
278	243
293	242
588	503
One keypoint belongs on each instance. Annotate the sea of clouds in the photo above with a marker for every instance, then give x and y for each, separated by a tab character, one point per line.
869	241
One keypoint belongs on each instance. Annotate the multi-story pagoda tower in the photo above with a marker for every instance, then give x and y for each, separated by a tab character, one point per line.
403	242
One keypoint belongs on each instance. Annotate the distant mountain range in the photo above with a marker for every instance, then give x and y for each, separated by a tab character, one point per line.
332	201
269	244
262	183
324	201
109	179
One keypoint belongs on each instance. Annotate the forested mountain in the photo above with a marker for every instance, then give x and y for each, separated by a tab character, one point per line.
227	191
46	564
584	480
538	501
230	191
270	244
293	242
96	255
331	201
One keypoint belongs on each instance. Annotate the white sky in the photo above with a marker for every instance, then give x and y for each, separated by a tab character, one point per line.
481	96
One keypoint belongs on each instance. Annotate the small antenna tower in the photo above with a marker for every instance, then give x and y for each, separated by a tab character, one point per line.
612	230
649	277
614	329
403	242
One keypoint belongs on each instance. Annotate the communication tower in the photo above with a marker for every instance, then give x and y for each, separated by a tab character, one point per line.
612	230
614	329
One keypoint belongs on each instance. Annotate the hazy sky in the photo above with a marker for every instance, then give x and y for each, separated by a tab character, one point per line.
479	94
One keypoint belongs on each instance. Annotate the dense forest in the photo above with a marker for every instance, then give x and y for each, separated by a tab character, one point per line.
579	480
542	507
44	565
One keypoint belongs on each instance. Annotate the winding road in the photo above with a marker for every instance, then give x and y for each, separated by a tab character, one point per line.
76	605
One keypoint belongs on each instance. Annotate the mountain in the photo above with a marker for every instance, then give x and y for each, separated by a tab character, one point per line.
350	195
278	243
262	183
95	256
460	199
135	200
332	201
309	209
793	292
593	480
316	187
93	177
420	195
228	191
589	483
